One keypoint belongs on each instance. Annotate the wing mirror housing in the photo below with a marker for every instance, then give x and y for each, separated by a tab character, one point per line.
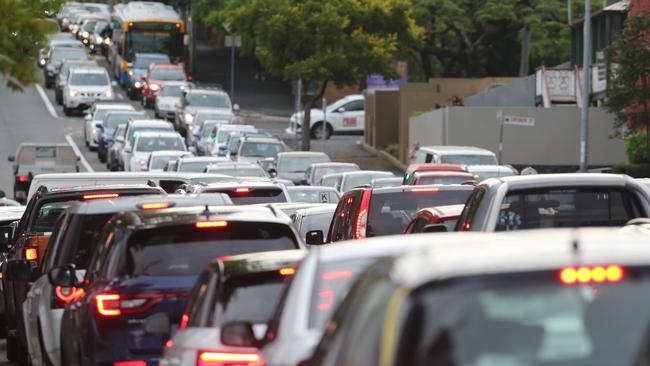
64	276
273	172
11	158
238	334
315	237
235	107
119	139
88	117
341	110
128	149
158	324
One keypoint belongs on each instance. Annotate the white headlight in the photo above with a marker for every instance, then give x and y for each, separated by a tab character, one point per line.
42	62
107	41
72	93
85	34
137	84
142	162
109	93
154	87
130	72
98	40
189	118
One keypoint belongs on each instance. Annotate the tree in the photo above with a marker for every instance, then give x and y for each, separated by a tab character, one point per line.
628	92
322	42
23	32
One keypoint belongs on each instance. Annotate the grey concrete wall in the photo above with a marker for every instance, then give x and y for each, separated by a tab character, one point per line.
519	93
553	141
386	118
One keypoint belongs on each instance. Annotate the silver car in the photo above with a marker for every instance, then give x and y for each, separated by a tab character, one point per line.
293	165
167	99
85	87
149	141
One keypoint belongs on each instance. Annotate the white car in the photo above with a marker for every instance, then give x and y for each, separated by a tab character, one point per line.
313	194
218	147
132	128
198	164
96	116
158	160
460	155
252	149
350	180
313	219
195	100
344	115
292	165
147	142
167	99
85	87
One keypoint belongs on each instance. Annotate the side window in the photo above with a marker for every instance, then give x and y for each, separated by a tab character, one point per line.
419	158
419	225
198	299
473	202
354	106
53	243
429	158
338	221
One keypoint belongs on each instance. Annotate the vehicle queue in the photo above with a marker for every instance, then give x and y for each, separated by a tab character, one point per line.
211	244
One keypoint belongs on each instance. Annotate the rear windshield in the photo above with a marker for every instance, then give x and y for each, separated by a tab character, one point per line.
320	172
357	180
240	172
261	149
332	284
70	53
427	180
149	144
160	162
528	321
567	208
167	74
251	298
199	99
299	164
313	196
172	91
79	238
468	159
135	130
89	79
257	195
182	250
47	214
391	212
144	62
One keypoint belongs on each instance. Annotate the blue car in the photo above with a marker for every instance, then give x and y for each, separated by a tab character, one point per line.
138	70
108	126
145	264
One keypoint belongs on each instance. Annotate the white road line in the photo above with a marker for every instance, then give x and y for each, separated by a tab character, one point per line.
120	96
83	160
46	100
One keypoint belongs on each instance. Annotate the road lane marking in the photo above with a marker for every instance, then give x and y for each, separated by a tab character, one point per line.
120	96
77	152
46	100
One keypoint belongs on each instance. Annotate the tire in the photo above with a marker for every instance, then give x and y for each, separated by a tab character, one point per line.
102	157
316	129
67	111
59	97
133	95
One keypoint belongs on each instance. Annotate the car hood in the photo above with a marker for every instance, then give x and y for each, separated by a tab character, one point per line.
141	155
92	88
167	100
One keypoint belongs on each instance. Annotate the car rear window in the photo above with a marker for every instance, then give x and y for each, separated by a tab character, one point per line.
115	119
567	208
254	196
468	159
47	215
149	144
528	320
442	180
390	212
194	167
184	249
239	172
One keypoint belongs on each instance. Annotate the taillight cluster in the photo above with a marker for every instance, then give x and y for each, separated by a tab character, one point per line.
361	223
216	358
112	304
64	295
596	274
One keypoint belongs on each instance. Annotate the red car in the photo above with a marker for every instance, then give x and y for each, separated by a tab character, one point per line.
414	168
435	219
157	74
443	177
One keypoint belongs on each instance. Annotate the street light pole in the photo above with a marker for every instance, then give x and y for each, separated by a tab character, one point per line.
586	81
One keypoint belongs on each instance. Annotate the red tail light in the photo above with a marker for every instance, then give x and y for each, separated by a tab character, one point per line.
211	224
362	218
335	275
130	363
155	205
23	178
30	254
109	304
100	196
597	274
184	320
65	295
242	190
213	358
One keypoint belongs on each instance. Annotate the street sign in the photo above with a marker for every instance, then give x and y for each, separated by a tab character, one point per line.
233	41
519	121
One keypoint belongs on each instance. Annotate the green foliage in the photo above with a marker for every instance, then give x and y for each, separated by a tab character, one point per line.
23	33
636	148
633	170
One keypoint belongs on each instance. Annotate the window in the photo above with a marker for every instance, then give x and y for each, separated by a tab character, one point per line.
261	149
79	239
149	144
167	73
196	306
89	79
47	215
215	100
466	219
354	106
298	164
418	225
469	159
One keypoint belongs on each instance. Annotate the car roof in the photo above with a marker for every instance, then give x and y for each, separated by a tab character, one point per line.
150	123
272	140
447	257
207	159
111	187
158	134
366	172
129	111
206	91
118	107
488	168
234	165
259	262
443	173
287	154
232	185
166	66
88	70
152	55
333	163
421	188
133	203
449	210
436	167
457	149
170	153
174	82
311	188
11	212
563	180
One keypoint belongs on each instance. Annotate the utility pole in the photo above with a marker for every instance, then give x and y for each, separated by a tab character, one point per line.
569	11
586	81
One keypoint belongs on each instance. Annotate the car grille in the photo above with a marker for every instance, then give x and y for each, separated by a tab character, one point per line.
90	94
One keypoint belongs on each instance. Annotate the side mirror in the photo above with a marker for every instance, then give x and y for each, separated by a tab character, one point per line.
435	228
128	149
88	117
341	110
272	172
235	107
157	324
11	158
64	276
119	139
189	78
314	237
304	181
3	194
6	237
238	334
18	270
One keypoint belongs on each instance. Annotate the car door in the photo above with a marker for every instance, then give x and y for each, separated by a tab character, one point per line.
350	116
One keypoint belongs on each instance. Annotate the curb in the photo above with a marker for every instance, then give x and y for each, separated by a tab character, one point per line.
251	115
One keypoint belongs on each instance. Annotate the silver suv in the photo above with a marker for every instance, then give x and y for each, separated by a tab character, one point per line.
84	87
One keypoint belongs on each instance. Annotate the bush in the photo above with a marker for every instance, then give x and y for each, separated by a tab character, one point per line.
637	149
633	170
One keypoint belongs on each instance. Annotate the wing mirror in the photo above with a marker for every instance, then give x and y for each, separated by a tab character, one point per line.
157	324
88	117
6	237
128	149
11	158
64	276
273	172
235	107
341	110
315	237
435	228
119	139
238	334
3	194
18	270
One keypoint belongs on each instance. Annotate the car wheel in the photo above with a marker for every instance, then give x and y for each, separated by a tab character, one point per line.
67	111
59	98
316	131
102	158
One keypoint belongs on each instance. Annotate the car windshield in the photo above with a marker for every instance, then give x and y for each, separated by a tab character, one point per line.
357	180
115	119
215	100
90	25
100	114
314	195
143	62
298	164
322	171
330	181
179	250
220	117
61	53
426	180
539	321
47	215
239	172
261	149
135	130
89	79
160	162
99	27
390	212
67	66
164	73
193	167
567	208
254	195
149	144
468	159
172	91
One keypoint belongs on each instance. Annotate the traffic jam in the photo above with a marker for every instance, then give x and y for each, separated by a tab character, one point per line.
207	241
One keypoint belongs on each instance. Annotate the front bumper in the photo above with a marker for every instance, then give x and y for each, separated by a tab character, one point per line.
79	102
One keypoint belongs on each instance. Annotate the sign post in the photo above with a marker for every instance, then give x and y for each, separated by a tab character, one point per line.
500	120
233	41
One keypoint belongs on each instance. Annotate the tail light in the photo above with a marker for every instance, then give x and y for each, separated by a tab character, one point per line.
242	190
362	217
100	196
215	358
211	224
23	178
30	254
130	363
287	271
425	189
155	205
597	274
64	295
111	304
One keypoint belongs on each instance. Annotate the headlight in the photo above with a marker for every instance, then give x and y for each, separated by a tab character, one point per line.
72	93
130	72
138	84
98	40
42	62
189	117
94	130
107	41
142	162
154	87
109	93
85	34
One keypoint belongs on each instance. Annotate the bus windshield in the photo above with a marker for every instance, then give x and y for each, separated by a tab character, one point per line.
154	42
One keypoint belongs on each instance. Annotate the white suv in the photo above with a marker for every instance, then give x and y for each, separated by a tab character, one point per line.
85	87
149	141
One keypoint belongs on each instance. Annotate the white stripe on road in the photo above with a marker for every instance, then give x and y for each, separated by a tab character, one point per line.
46	100
83	160
120	96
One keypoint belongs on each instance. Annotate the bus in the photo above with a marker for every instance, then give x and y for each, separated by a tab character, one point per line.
145	26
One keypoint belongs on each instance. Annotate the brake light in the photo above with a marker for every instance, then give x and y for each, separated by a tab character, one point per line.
362	217
31	254
100	196
211	224
130	363
184	320
23	178
336	275
108	304
155	205
597	274
242	190
427	189
114	305
328	297
287	271
229	358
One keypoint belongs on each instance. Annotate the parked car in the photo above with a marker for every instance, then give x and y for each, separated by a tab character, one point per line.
62	77
554	201
147	142
158	159
138	70
201	99
313	219
461	155
111	122
367	212
95	117
350	180
252	148
237	169
156	75
293	165
313	194
85	87
247	193
432	219
343	116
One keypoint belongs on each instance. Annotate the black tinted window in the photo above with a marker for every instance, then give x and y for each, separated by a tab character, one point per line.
80	239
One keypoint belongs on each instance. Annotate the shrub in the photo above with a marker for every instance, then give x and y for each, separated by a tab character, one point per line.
637	149
633	170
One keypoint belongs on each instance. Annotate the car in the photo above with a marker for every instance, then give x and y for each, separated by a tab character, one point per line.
167	250
483	172
343	116
95	117
198	164
331	180
553	201
218	145
53	40
35	158
133	127
31	239
350	180
237	169
312	220
247	193
203	115
293	165
386	182
85	87
155	76
438	306
226	290
148	141
461	155
368	212
202	99
432	219
316	171
138	70
430	167
313	194
167	99
253	148
205	140
234	138
112	120
114	147
96	37
62	77
86	30
55	57
73	242
440	177
158	159
6	202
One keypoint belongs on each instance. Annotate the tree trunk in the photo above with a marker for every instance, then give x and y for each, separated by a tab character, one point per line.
646	116
425	58
524	61
306	121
